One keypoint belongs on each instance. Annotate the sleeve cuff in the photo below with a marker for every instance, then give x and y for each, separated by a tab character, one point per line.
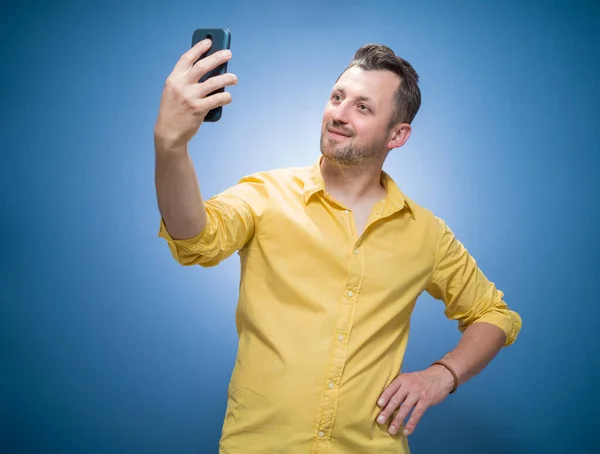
185	251
508	321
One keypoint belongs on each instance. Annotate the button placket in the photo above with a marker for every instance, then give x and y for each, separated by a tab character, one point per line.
328	408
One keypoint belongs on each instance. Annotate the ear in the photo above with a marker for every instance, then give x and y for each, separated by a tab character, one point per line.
399	134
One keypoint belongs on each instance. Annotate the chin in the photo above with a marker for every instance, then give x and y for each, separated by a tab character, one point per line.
330	150
340	158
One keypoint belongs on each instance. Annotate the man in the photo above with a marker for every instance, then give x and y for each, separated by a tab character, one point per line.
333	258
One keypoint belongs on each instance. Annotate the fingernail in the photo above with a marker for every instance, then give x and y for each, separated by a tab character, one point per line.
226	53
392	430
380	402
381	419
406	432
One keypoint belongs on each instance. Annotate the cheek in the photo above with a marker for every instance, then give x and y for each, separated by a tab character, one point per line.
363	132
369	132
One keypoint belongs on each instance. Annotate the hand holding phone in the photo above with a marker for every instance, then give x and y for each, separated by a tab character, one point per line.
194	89
221	40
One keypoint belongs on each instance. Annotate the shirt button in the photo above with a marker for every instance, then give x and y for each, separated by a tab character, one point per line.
350	293
341	338
321	434
356	251
346	211
331	385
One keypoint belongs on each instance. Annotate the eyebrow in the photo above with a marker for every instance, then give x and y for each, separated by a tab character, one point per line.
360	98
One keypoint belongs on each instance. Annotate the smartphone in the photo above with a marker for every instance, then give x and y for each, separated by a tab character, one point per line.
221	39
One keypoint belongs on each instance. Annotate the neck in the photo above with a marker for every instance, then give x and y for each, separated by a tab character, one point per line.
352	184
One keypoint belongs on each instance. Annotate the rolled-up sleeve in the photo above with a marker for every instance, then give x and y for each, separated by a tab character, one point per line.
231	218
469	296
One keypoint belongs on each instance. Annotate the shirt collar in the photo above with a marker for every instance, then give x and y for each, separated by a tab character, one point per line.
395	199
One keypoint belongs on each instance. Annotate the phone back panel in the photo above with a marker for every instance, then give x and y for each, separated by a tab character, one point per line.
221	39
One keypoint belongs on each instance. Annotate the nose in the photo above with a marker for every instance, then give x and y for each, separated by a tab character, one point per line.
339	113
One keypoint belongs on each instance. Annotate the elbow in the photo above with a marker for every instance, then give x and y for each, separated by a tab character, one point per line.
507	320
495	313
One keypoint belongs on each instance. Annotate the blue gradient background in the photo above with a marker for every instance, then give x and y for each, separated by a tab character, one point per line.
108	346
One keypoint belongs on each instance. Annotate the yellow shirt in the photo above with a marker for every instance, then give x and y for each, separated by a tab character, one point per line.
323	316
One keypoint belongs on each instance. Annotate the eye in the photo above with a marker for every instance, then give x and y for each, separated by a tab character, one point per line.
336	98
363	108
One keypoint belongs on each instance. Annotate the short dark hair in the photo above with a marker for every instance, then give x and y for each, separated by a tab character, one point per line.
407	100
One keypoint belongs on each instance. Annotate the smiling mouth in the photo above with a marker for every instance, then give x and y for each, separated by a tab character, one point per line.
336	133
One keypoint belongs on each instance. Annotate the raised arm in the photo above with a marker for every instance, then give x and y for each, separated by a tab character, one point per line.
185	102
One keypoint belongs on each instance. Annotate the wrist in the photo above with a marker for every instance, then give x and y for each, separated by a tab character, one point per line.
447	375
165	144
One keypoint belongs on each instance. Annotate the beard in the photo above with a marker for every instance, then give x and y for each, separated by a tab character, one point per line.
350	154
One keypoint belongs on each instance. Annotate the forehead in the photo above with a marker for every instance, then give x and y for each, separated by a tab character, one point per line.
377	85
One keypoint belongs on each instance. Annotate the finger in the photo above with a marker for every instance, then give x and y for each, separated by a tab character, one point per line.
187	60
403	412
205	105
213	84
208	64
395	401
389	392
415	417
